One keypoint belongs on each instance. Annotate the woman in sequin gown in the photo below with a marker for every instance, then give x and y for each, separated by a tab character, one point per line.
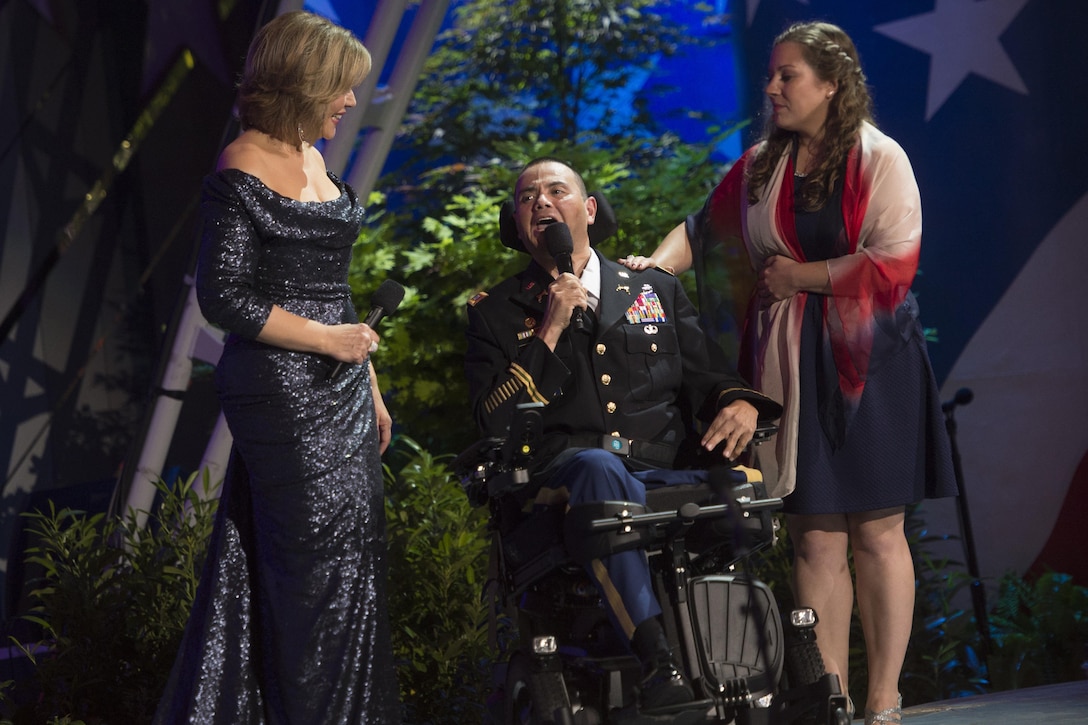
828	210
290	624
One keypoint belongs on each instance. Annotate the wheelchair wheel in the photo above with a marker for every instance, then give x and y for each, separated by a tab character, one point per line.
534	697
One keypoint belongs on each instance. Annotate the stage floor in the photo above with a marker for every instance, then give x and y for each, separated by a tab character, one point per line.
1049	705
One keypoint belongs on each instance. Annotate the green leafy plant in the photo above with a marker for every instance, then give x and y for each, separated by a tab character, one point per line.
420	366
943	660
1040	631
438	553
504	69
111	603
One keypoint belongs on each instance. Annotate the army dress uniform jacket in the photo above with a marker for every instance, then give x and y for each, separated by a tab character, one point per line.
642	371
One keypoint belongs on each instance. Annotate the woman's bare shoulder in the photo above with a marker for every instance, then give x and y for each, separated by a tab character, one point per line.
244	154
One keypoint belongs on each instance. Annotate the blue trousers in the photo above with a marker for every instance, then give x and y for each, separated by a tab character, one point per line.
591	475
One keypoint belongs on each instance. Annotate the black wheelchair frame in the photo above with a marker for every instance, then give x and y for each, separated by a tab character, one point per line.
747	664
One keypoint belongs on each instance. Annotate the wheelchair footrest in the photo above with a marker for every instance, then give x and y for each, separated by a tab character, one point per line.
686	714
742	651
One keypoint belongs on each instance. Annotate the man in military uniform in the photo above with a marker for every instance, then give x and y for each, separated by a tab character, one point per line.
618	394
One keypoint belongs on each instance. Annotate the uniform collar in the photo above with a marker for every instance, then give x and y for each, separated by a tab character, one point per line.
591	280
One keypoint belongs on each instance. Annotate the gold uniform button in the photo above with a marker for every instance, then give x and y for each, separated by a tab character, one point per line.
611	407
600	349
653	347
606	379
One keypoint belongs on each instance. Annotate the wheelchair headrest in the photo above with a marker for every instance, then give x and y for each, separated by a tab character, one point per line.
604	224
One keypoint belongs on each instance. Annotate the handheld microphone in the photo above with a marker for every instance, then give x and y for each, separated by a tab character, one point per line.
385	301
561	246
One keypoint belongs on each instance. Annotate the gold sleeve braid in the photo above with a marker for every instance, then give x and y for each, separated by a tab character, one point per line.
727	391
521	379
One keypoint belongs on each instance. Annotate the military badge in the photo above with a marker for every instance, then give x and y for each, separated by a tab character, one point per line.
646	308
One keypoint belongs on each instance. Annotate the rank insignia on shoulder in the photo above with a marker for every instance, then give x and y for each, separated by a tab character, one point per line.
477	297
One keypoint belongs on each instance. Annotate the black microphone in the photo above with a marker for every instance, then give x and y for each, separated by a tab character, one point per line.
385	301
560	246
963	397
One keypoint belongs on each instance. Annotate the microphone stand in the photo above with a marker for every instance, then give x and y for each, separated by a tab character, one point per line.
978	591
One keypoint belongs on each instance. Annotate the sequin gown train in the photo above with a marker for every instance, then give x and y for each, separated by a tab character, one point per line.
290	620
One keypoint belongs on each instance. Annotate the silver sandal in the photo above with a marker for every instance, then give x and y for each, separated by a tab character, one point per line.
889	716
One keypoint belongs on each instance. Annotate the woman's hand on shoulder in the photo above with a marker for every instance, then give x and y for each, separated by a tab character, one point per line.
637	262
673	255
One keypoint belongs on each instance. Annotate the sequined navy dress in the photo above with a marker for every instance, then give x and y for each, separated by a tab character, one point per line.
290	621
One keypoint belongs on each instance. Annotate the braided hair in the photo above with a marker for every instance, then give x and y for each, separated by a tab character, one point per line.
832	56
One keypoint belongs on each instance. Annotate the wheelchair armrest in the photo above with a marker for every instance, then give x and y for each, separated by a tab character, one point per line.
763	431
724	512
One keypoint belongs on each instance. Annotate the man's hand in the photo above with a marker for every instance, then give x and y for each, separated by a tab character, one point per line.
564	294
735	424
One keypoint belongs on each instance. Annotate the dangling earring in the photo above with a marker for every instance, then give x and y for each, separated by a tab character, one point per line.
301	137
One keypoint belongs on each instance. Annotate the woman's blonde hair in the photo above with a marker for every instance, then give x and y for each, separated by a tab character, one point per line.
832	56
297	64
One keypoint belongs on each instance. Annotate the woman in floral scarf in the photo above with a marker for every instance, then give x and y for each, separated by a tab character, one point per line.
828	210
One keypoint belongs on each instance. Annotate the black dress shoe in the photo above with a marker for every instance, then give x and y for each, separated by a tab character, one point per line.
664	685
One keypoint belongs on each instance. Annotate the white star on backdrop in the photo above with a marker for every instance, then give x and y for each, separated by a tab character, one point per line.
961	37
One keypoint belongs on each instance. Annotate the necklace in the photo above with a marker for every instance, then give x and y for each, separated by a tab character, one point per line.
796	159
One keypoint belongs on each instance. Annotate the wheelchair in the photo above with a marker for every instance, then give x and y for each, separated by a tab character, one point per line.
747	664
